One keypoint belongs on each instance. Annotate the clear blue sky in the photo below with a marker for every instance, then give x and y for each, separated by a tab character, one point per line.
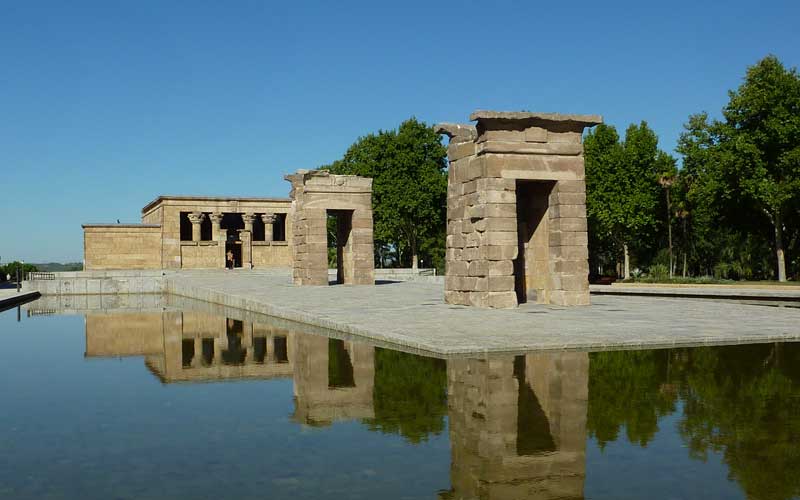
105	105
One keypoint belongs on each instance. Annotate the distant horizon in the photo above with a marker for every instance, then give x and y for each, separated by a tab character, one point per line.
107	106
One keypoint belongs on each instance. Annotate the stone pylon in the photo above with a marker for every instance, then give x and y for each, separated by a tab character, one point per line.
315	195
516	210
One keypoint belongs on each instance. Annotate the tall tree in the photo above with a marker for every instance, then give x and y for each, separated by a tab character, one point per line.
760	141
622	191
666	167
749	163
409	189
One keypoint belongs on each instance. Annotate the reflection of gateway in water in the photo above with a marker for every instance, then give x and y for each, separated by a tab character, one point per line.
517	423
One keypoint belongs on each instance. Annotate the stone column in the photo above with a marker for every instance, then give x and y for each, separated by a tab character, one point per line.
247	237
216	225
248	222
269	221
197	360
196	218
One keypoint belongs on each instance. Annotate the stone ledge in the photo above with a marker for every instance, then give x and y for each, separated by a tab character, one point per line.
586	120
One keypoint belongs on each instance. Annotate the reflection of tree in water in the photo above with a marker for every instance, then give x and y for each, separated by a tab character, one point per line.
742	401
410	395
745	402
625	390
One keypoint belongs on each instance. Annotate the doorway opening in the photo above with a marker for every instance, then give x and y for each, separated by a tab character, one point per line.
340	224
533	427
235	247
340	366
531	267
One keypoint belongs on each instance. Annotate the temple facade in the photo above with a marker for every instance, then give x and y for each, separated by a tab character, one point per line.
195	232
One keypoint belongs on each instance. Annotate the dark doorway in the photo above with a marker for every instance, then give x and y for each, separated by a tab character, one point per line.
208	351
279	228
531	267
259	349
205	228
340	223
186	226
187	352
533	428
340	368
236	248
281	350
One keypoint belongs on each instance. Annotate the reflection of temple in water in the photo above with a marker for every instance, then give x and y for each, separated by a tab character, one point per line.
192	346
518	426
517	423
333	380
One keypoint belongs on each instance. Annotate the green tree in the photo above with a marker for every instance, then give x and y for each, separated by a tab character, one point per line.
622	191
748	164
667	169
409	171
760	141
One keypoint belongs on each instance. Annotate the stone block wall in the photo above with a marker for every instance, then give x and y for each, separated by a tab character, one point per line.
276	254
314	195
516	212
201	255
121	246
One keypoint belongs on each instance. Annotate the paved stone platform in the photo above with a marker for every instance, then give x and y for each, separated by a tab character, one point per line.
736	292
414	315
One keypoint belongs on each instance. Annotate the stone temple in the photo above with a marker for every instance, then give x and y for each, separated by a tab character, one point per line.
516	210
516	220
197	232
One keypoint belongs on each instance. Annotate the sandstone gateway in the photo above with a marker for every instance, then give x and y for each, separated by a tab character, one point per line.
516	210
516	220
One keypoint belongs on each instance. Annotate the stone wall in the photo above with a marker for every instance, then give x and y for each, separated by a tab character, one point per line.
315	194
516	213
201	255
274	254
121	246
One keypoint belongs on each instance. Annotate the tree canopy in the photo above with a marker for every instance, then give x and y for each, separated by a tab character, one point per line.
746	167
409	189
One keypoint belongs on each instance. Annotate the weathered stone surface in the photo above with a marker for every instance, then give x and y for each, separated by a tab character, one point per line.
516	193
315	195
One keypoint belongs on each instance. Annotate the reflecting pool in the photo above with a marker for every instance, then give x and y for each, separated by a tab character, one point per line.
154	400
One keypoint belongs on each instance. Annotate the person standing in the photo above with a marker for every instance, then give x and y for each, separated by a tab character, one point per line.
229	259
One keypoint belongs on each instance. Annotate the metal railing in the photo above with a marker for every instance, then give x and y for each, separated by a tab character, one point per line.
37	275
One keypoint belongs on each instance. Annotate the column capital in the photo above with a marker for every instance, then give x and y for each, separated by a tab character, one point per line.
196	217
268	218
216	217
248	218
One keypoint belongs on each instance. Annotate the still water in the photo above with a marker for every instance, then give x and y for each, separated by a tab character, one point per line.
165	404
